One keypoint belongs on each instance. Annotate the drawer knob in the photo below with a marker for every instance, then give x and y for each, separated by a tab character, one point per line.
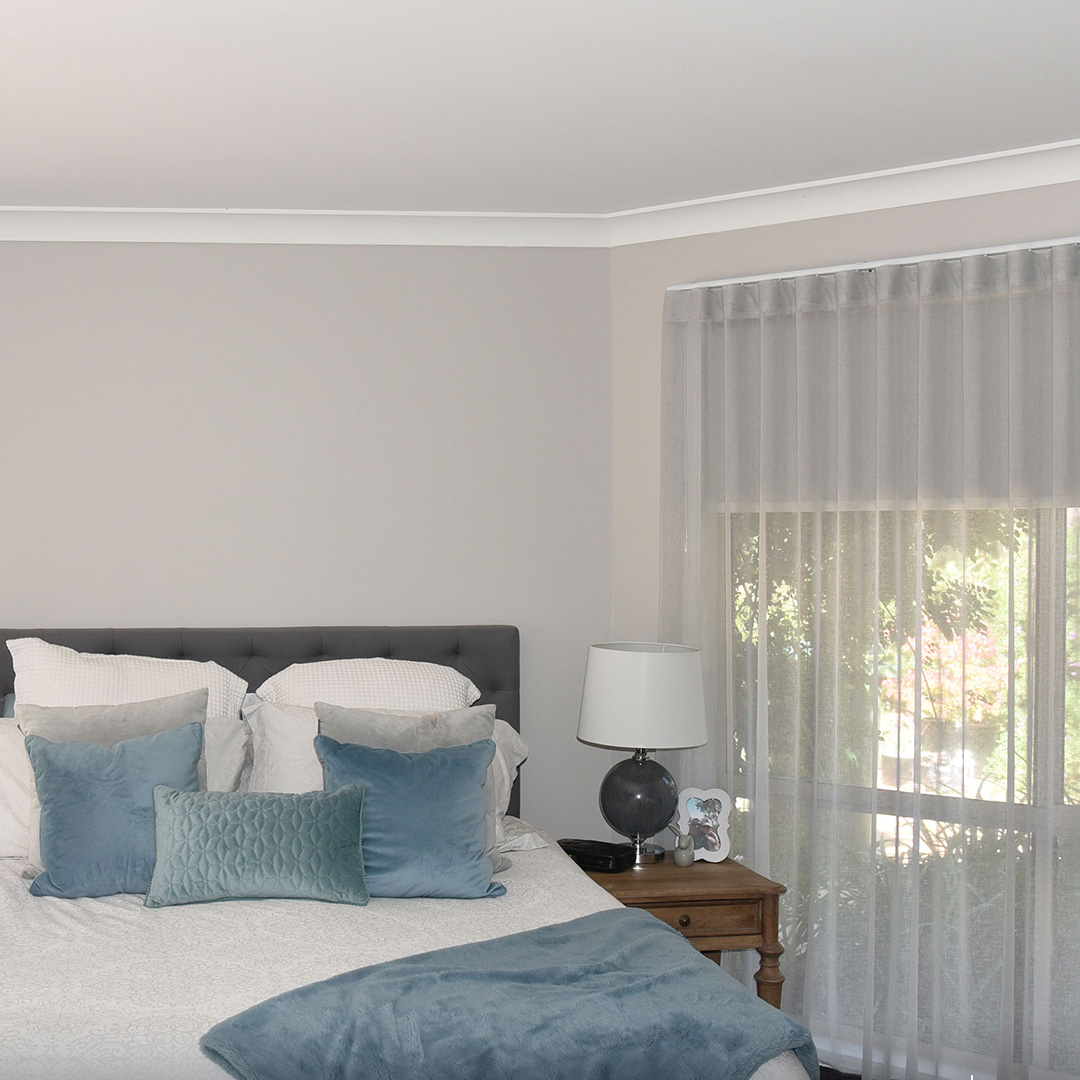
684	920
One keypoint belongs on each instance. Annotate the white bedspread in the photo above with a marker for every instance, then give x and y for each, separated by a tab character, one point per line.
105	988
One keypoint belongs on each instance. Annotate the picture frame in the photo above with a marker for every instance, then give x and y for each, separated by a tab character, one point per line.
705	813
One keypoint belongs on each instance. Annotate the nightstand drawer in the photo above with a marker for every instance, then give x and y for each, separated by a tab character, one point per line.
728	918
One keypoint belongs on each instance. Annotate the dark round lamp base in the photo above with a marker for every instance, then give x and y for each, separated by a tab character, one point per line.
638	797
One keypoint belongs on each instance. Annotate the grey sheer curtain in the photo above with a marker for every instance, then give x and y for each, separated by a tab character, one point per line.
870	526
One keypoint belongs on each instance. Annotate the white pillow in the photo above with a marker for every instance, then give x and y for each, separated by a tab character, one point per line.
16	791
283	757
56	675
371	683
521	837
510	752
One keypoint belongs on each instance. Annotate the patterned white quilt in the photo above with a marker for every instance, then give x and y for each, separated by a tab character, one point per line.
106	988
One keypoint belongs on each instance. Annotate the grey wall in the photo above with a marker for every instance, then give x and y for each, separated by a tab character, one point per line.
230	435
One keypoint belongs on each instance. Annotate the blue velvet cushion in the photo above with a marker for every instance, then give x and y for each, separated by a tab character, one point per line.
230	845
97	808
424	816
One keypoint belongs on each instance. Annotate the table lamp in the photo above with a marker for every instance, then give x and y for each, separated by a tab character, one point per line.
641	696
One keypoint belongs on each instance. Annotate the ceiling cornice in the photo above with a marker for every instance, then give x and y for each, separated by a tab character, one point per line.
360	227
985	174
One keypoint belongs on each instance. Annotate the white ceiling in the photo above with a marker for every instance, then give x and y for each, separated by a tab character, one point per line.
565	107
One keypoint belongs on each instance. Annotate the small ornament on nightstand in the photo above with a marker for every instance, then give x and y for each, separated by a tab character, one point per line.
705	816
684	847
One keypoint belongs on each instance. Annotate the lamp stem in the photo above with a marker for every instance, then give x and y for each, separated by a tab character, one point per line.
644	852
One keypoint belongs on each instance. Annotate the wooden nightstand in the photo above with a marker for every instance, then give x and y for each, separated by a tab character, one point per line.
716	906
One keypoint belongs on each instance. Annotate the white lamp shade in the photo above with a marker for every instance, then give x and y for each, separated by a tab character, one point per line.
642	695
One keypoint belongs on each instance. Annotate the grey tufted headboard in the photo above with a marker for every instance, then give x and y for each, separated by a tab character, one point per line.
486	654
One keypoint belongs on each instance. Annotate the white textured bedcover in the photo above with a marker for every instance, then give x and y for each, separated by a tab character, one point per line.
105	988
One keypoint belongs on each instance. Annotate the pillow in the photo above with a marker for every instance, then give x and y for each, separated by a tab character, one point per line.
512	751
424	825
97	808
283	758
415	734
109	724
406	733
9	705
225	845
370	683
521	836
105	725
282	755
16	788
55	675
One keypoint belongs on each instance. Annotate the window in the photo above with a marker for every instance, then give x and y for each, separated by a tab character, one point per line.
912	688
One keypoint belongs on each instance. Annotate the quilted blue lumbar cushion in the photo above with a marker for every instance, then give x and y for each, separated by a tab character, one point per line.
97	808
232	845
425	825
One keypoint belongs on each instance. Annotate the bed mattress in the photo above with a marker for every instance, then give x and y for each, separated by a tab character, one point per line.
106	988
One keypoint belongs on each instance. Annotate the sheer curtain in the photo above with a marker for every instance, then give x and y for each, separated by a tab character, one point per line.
871	527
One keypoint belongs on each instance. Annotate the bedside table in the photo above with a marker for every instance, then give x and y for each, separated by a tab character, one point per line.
716	906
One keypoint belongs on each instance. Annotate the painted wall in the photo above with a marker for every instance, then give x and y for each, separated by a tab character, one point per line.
229	434
641	273
254	435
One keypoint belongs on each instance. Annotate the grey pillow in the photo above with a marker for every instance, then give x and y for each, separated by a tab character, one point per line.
415	734
232	845
406	734
106	725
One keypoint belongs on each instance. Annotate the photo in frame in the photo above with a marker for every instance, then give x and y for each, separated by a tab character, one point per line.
705	814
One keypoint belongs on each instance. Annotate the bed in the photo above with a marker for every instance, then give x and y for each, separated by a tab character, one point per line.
104	987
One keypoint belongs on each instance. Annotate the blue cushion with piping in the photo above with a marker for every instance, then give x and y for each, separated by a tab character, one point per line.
424	816
97	808
231	845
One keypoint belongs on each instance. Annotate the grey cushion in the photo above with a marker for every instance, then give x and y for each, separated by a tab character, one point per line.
218	845
404	733
106	725
109	724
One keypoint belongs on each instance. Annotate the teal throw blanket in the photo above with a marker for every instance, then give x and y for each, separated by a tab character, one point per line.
613	996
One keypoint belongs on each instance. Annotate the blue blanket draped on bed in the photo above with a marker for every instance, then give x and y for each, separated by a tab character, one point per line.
613	996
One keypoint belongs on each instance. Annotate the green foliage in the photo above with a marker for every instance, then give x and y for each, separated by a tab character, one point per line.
919	621
943	647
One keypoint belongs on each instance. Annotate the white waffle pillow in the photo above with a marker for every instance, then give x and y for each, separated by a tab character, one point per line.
56	675
371	683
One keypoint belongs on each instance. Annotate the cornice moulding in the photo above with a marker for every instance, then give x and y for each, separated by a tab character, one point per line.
989	174
1013	170
181	226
